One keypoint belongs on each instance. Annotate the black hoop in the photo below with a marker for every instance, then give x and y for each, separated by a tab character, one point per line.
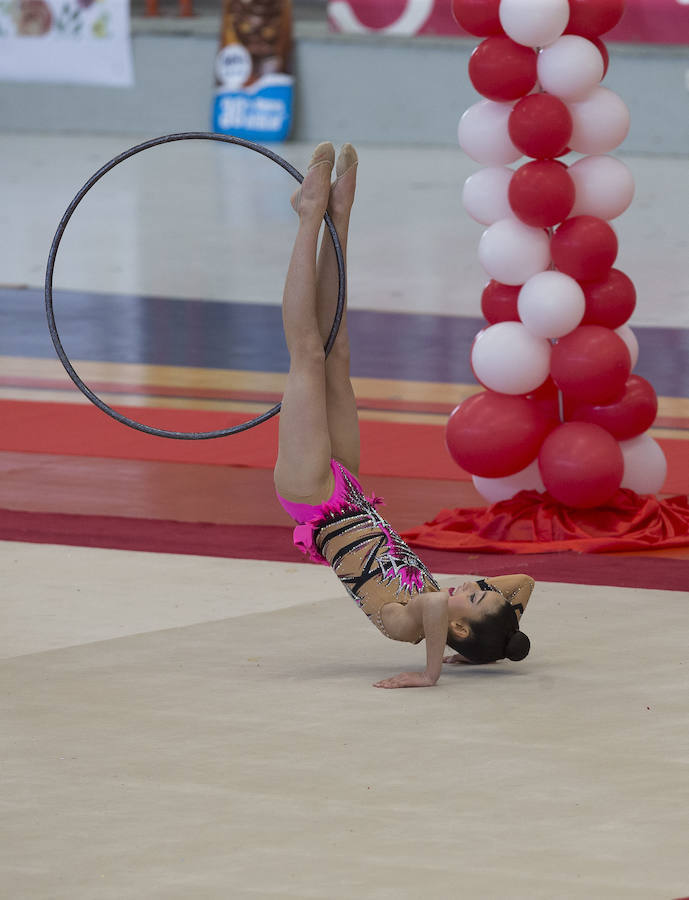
154	142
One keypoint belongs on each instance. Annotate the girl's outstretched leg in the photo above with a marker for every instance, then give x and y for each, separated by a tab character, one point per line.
302	471
343	422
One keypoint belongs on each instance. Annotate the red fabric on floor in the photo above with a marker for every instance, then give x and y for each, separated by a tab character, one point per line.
534	523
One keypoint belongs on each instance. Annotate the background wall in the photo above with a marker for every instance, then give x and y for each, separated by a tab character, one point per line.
361	88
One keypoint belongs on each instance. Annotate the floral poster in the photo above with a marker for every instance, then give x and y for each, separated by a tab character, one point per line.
68	41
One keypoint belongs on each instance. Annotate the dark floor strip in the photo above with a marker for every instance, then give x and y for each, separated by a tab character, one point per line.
206	334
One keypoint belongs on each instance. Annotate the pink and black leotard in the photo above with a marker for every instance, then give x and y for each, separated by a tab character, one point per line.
368	556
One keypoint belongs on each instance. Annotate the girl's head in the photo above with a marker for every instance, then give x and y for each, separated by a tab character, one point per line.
484	627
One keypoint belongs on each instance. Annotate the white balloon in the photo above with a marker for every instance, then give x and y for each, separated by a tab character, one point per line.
628	336
604	187
496	489
645	466
508	359
534	23
600	122
570	67
512	252
485	194
482	133
551	304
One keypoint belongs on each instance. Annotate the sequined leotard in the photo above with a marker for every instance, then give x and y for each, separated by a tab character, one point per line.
371	560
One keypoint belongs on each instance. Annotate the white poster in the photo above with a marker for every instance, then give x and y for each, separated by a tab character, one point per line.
67	41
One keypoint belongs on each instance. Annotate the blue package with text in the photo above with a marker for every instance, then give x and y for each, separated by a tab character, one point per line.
260	112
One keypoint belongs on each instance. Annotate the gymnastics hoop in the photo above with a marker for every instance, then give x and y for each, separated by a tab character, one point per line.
57	343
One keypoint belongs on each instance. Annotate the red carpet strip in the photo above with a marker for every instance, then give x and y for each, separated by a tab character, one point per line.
188	492
274	543
388	448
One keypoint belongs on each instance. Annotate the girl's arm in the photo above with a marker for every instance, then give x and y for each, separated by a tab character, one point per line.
430	611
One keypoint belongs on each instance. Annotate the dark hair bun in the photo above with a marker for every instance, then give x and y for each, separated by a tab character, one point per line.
518	646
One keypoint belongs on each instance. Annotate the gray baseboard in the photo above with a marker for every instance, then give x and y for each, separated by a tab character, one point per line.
366	89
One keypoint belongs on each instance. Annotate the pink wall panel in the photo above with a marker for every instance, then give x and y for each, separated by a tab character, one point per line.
644	21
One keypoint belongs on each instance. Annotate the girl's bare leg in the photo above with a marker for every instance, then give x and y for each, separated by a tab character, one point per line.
302	471
343	422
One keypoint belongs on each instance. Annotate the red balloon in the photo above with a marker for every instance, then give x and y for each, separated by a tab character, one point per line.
479	17
590	18
493	435
584	247
610	301
501	69
547	397
581	465
591	365
630	416
541	193
603	50
499	302
540	125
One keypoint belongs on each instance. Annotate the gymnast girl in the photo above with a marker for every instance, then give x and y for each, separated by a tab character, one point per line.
318	462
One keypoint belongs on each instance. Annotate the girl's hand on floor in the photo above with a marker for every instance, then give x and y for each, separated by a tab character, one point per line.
455	660
405	680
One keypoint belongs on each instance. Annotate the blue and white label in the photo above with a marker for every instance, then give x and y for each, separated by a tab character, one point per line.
261	112
233	66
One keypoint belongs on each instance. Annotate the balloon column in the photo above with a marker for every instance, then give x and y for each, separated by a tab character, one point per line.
561	410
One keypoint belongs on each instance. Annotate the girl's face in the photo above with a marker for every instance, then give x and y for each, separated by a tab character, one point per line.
470	603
